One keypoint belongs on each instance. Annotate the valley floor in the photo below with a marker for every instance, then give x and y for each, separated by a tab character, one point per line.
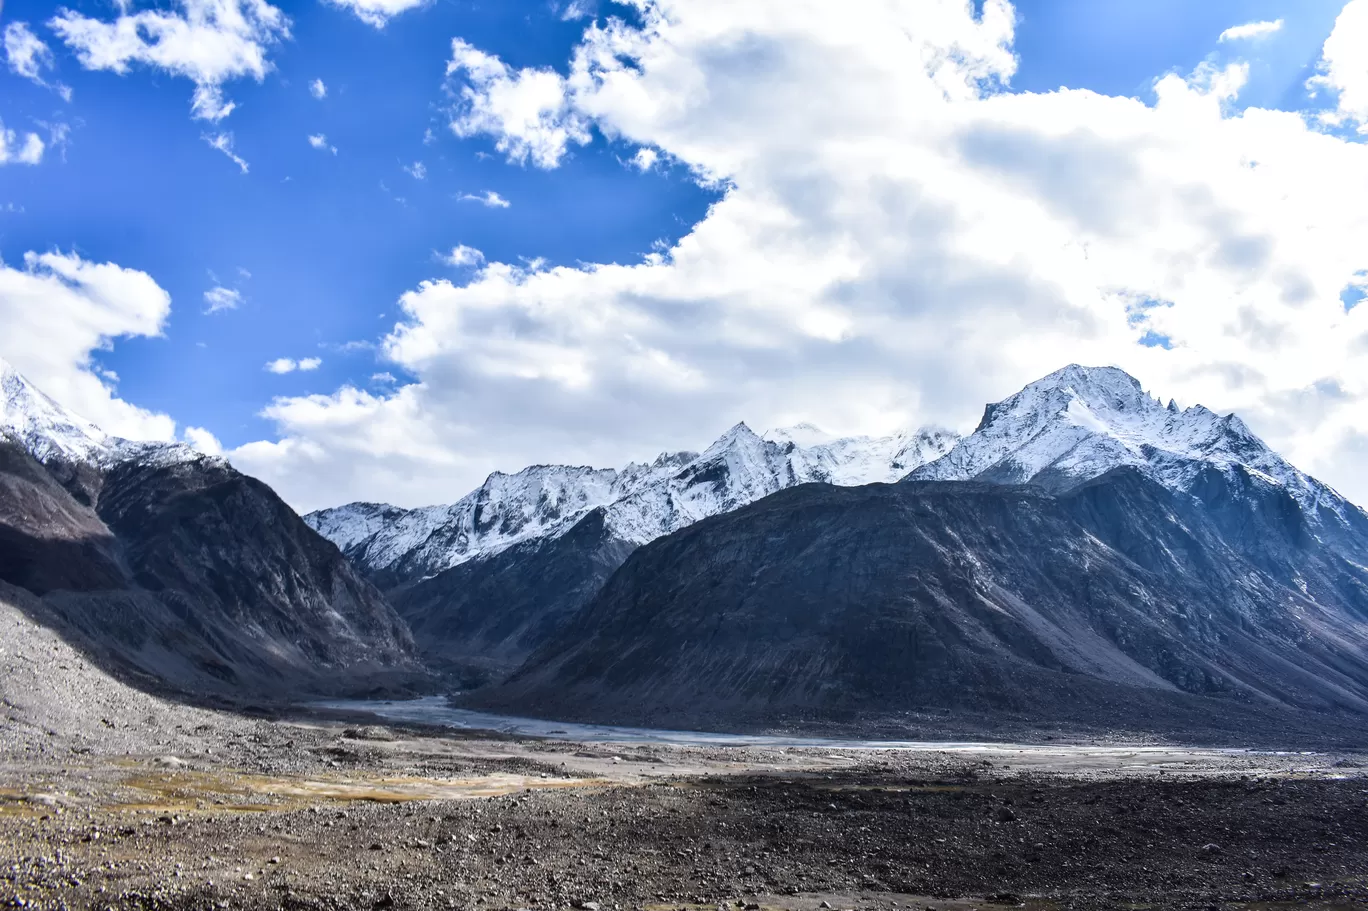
336	815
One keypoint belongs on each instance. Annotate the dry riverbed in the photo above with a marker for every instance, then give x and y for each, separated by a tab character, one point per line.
331	816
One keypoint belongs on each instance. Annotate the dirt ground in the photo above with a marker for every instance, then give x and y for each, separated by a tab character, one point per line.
327	815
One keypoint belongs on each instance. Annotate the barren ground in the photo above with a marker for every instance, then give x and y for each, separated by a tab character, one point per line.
337	815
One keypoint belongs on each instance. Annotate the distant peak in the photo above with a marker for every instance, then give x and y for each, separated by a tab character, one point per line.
1078	376
804	434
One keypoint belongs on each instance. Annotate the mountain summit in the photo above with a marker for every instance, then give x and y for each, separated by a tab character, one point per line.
1079	423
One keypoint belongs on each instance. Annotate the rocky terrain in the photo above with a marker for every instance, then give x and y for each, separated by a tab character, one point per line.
361	817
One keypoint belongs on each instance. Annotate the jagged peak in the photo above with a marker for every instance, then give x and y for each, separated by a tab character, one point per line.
738	434
43	426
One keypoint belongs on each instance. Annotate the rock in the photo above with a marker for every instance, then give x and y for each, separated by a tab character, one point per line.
1211	849
1006	814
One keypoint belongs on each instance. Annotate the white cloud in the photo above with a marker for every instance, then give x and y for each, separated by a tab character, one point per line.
645	159
28	56
318	89
320	142
461	255
417	170
290	365
219	298
1344	66
25	52
488	198
1252	31
202	440
577	9
224	143
526	112
897	240
378	12
209	42
59	309
15	149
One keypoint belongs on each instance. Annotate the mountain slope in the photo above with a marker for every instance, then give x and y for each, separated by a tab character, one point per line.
521	561
1118	599
171	564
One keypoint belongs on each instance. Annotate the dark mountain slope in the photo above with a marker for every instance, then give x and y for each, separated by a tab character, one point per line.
194	575
1119	601
482	618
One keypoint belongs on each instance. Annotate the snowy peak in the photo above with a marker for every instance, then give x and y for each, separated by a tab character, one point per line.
43	427
51	432
1081	422
641	502
802	435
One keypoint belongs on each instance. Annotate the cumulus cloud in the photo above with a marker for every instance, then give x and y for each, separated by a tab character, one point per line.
899	238
526	112
17	149
461	255
202	440
318	89
645	159
1252	31
1344	66
489	199
57	310
320	142
417	170
224	143
209	42
378	12
219	298
290	365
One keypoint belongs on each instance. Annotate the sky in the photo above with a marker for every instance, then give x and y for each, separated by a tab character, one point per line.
377	249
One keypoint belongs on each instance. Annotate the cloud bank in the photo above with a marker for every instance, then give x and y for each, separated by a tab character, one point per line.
900	238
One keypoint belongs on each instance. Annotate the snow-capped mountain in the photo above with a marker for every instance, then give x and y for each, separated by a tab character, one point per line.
1081	422
641	501
49	431
43	427
175	566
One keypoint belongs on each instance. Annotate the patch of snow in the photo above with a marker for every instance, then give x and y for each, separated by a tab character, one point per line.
49	431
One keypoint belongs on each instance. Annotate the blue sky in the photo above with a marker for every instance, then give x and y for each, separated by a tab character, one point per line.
320	242
319	245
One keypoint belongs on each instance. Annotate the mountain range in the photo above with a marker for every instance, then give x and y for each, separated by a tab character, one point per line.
1086	555
484	581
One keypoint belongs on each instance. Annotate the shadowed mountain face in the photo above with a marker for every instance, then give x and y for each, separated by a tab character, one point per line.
197	576
479	620
1118	601
170	565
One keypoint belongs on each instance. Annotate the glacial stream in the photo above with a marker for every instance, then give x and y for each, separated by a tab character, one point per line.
435	710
